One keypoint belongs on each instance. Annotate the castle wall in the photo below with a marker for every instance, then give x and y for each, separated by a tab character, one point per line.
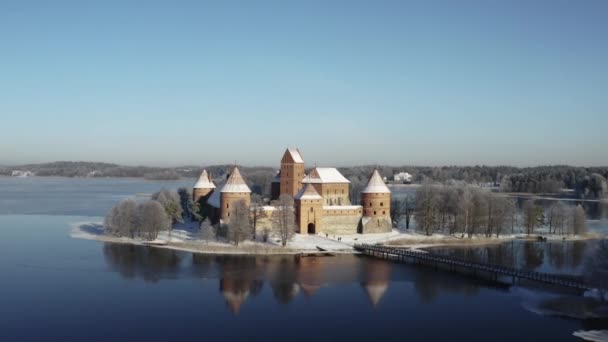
333	193
309	211
227	202
370	225
199	193
341	220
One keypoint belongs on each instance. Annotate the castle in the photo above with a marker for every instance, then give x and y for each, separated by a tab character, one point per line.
321	197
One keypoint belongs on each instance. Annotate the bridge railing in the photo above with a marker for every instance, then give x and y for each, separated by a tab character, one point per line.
505	270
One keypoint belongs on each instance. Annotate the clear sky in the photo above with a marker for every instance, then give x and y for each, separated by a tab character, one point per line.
348	82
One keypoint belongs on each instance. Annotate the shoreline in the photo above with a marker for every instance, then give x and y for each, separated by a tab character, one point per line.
303	244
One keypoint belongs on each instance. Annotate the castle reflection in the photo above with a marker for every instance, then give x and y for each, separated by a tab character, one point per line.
242	278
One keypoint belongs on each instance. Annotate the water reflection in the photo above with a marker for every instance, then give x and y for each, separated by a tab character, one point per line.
565	257
150	264
243	277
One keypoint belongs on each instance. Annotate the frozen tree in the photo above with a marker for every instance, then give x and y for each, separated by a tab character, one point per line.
206	231
397	211
557	218
284	218
189	207
532	216
256	211
579	220
239	227
170	201
152	219
427	202
122	219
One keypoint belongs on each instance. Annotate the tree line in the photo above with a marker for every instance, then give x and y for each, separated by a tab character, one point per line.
146	219
465	210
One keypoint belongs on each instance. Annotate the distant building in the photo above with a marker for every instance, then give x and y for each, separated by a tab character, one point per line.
322	202
19	173
403	177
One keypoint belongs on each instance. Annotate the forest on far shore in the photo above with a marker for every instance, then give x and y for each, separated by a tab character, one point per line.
585	182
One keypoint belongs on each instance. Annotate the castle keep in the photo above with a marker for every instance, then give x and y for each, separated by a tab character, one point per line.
321	197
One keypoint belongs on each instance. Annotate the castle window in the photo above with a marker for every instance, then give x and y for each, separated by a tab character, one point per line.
374	212
383	212
311	210
381	204
228	214
370	204
227	205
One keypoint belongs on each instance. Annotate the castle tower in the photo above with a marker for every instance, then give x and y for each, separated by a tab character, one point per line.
203	187
292	172
234	190
376	202
309	210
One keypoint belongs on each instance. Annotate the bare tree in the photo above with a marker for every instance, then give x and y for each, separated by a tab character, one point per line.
579	220
532	216
427	201
284	218
257	205
511	213
122	219
410	206
206	231
170	200
397	211
152	219
239	227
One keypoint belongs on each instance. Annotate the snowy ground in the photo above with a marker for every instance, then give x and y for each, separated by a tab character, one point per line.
185	237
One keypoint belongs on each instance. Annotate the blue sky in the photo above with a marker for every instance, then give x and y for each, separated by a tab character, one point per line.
348	82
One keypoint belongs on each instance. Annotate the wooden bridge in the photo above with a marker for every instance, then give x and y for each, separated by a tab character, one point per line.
454	264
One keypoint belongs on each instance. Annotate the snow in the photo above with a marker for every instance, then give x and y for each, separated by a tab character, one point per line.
592	335
235	183
295	155
341	207
376	185
325	175
308	192
204	182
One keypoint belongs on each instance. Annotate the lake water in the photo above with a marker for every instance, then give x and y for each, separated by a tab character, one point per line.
55	288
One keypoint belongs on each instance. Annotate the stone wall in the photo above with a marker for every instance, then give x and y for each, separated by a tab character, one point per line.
340	222
376	225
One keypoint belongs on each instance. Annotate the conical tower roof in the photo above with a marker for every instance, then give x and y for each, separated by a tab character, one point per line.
235	182
308	192
376	185
204	182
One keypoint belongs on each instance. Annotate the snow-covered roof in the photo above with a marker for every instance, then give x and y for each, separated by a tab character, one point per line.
341	207
214	199
295	155
376	185
204	182
235	182
325	175
277	177
308	192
